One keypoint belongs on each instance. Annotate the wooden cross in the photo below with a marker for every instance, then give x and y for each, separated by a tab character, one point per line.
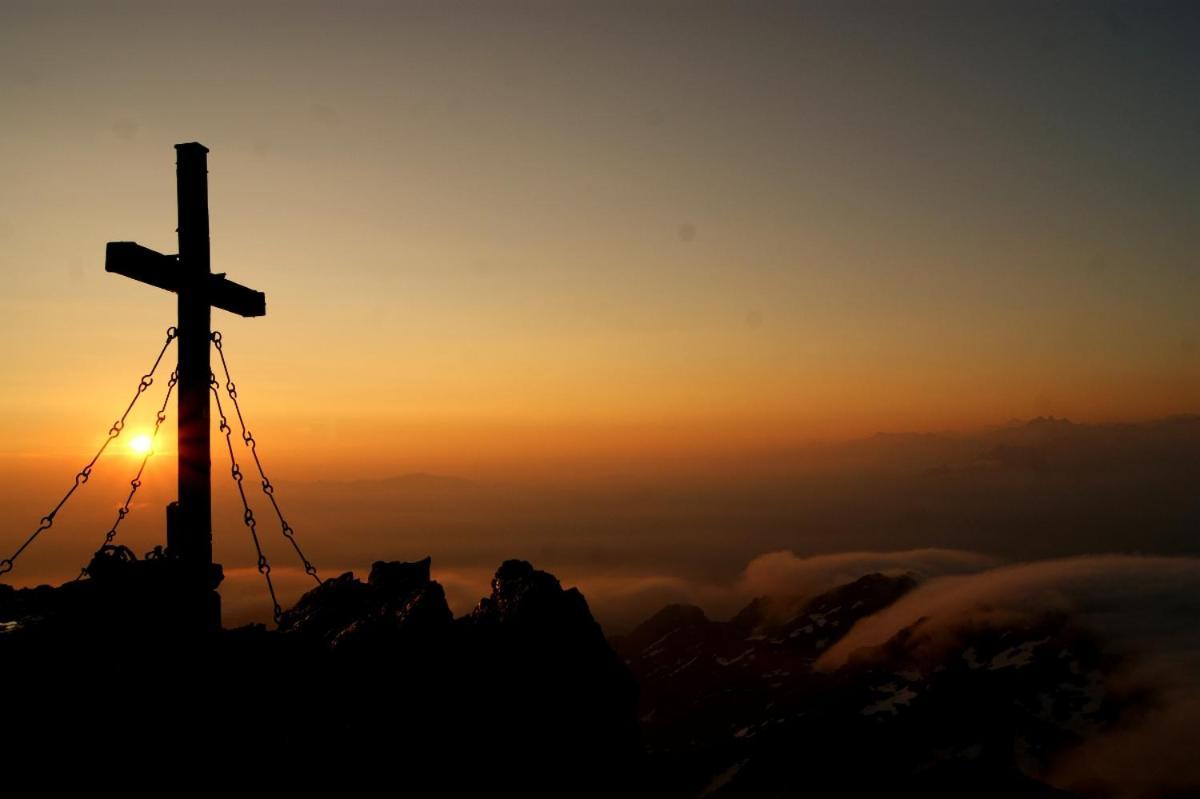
189	520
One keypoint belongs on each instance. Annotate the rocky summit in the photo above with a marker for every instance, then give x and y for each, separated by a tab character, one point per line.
523	695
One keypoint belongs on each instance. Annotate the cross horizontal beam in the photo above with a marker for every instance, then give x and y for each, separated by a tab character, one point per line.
162	271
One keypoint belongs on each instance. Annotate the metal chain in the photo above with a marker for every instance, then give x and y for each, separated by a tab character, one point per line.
267	488
47	521
136	482
235	471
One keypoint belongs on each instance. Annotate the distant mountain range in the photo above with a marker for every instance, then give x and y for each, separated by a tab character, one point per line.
740	709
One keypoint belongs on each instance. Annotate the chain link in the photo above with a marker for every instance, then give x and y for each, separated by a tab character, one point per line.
136	482
235	471
249	441
47	521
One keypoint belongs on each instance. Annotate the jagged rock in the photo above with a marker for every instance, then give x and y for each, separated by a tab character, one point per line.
328	609
398	600
358	673
671	619
553	682
523	597
756	613
394	578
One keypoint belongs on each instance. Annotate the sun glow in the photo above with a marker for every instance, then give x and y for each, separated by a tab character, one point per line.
141	444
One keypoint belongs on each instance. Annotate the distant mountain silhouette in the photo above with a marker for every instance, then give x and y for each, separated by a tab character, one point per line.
736	709
414	481
1028	491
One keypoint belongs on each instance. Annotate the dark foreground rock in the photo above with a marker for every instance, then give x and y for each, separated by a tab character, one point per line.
363	681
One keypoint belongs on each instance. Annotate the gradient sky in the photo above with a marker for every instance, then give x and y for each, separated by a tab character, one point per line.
498	233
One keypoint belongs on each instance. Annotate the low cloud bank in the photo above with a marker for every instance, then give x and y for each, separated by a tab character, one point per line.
1140	603
787	574
620	602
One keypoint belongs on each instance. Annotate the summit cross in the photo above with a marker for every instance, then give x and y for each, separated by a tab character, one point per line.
189	275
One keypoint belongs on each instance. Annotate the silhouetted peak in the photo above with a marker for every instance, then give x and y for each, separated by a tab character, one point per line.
683	625
678	615
874	591
328	607
523	595
397	576
397	598
754	614
518	571
1049	423
1038	423
866	594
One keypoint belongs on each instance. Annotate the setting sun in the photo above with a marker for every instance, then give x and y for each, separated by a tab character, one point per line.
141	444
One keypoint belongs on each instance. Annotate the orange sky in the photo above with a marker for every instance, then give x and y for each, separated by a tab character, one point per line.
586	235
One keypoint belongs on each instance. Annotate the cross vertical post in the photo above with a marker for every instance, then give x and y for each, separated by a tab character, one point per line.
189	520
191	538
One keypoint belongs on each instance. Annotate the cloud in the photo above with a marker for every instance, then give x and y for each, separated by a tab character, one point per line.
1137	601
620	602
1144	607
244	597
786	574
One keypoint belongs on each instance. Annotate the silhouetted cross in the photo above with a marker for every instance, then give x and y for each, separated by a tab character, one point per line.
189	521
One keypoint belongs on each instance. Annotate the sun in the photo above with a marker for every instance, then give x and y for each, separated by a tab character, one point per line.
140	444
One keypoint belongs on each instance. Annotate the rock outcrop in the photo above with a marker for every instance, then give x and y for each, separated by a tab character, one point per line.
524	693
